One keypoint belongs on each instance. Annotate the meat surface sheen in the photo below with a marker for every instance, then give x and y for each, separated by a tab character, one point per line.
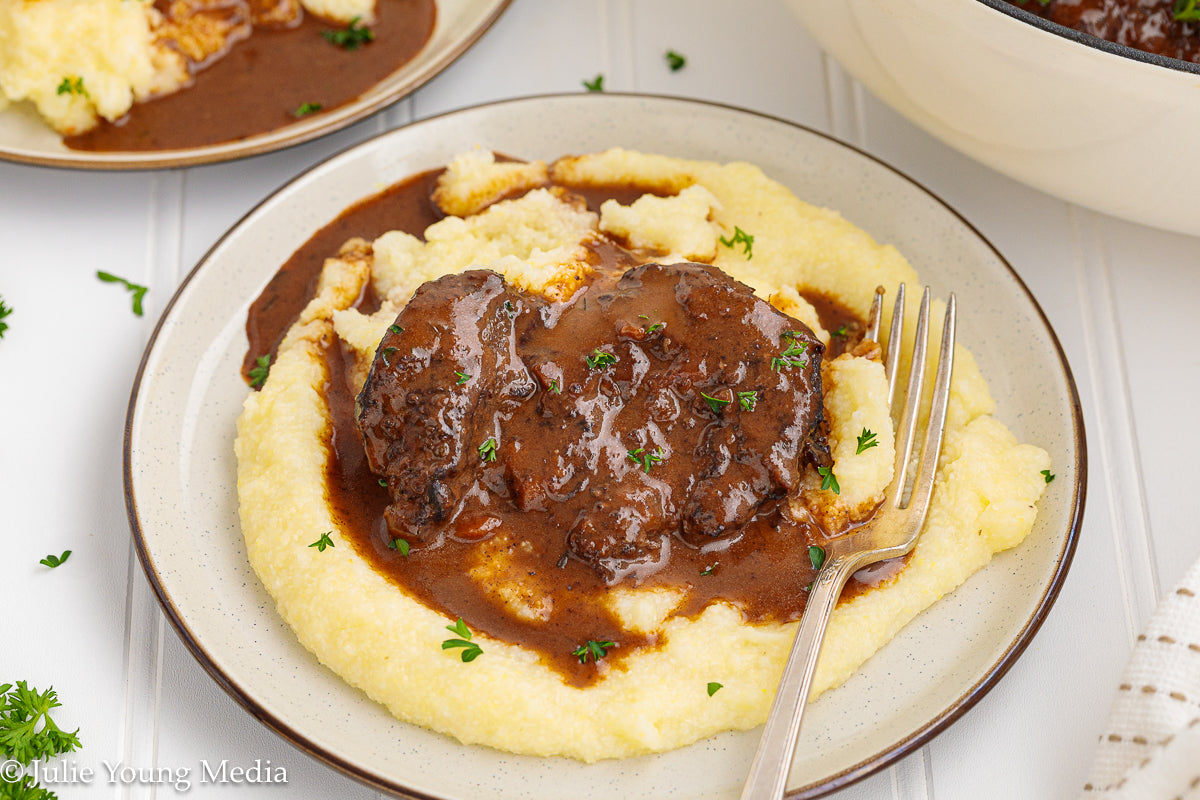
661	404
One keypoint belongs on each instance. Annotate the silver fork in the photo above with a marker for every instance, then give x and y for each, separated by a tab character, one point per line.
892	532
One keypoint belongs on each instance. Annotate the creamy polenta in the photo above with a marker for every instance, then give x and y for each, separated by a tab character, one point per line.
380	639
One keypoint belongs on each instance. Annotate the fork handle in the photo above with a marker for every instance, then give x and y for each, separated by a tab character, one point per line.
769	770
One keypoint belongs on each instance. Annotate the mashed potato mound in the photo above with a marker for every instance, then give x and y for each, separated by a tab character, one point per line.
369	631
80	61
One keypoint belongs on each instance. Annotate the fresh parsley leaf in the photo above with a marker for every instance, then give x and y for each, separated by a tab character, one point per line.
866	440
656	327
72	85
596	84
708	570
1048	475
742	238
510	309
598	359
647	460
715	403
462	377
323	542
306	109
747	400
352	37
27	731
487	450
138	291
470	650
675	61
387	353
1185	11
4	312
596	650
841	333
791	356
396	329
53	561
828	479
816	555
258	374
26	788
555	387
383	482
713	688
399	545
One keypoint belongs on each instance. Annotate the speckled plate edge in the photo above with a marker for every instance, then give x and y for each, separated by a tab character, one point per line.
24	138
662	124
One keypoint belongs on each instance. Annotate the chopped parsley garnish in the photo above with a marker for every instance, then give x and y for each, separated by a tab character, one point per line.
470	650
597	650
841	332
323	542
351	37
387	355
27	733
598	359
596	84
708	570
138	291
487	450
383	482
4	312
713	688
747	400
1048	475
866	440
715	403
829	480
462	377
306	109
396	329
1185	11
647	460
258	374
658	326
72	85
399	545
510	309
816	555
53	561
742	238
791	356
675	61
555	387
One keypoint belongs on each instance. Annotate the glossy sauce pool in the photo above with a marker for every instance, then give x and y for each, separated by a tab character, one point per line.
263	81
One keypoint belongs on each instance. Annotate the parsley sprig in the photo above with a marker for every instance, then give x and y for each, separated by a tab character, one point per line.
596	84
747	400
138	290
792	355
816	555
325	541
1186	11
596	650
647	460
598	359
258	374
715	403
866	440
487	450
4	312
829	480
739	237
27	731
53	561
470	650
352	37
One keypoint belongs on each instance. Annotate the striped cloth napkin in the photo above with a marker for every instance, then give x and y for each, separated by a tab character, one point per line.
1150	749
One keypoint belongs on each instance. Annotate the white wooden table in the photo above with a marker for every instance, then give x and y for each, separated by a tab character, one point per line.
1120	296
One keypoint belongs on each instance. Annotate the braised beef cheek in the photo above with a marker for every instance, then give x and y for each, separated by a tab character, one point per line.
663	402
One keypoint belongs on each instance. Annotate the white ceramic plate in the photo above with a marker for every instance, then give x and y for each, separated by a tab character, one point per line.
181	492
25	137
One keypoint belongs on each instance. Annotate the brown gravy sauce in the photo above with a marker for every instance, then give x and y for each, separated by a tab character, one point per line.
262	81
1147	25
763	571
